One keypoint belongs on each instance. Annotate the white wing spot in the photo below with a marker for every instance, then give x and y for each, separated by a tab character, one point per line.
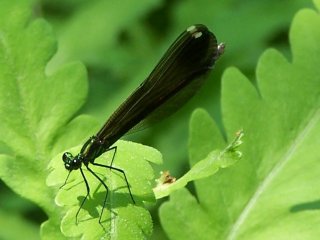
191	29
197	34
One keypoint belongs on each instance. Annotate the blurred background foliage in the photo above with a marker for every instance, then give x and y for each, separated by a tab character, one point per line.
121	41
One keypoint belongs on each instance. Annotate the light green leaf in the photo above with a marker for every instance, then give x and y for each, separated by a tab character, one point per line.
272	193
33	109
121	217
210	164
36	111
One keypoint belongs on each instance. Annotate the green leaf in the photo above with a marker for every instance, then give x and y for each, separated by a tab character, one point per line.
183	210
37	122
121	217
33	109
272	192
210	164
102	22
9	221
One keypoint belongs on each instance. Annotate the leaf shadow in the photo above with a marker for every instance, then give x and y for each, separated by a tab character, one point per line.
119	200
306	206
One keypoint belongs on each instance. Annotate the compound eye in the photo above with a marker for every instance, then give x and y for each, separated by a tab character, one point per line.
67	157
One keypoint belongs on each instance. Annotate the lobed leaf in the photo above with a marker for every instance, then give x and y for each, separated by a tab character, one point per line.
33	109
121	217
208	166
272	192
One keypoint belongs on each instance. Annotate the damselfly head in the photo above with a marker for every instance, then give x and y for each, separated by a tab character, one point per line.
71	162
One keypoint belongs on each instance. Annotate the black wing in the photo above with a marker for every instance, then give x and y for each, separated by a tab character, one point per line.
190	57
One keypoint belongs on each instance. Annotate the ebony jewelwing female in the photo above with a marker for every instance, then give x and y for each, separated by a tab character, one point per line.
173	81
